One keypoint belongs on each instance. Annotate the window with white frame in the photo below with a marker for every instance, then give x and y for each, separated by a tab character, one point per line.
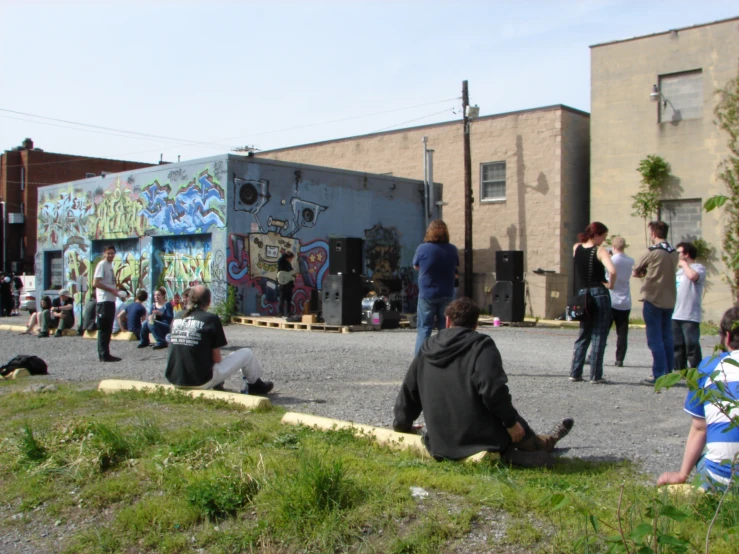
492	181
682	96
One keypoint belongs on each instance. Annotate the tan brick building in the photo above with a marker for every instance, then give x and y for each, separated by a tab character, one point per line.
687	66
530	183
22	171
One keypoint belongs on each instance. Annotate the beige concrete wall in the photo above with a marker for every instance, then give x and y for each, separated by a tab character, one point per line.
625	129
545	151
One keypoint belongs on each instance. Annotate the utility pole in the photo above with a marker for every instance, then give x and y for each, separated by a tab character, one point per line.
467	194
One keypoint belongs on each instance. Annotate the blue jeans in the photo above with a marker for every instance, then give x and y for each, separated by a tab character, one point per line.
659	338
428	309
593	330
159	331
686	336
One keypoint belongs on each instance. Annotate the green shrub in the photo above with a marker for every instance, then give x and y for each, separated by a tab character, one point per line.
219	496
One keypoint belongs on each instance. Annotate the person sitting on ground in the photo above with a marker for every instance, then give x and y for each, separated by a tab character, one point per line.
195	353
133	315
185	295
458	382
60	316
158	324
87	320
35	318
711	428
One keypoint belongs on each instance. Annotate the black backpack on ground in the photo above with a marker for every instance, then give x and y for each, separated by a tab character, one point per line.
34	364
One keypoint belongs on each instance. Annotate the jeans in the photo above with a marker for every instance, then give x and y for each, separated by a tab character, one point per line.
105	314
158	330
594	329
428	309
286	298
621	319
687	338
659	338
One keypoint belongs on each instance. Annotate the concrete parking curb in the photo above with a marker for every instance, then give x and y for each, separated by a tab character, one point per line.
249	401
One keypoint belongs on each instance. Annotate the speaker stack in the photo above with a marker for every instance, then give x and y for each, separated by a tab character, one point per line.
509	291
343	288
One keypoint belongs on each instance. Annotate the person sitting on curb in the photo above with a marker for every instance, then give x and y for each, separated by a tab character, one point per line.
711	429
195	359
458	382
159	322
133	315
35	318
62	310
88	319
184	296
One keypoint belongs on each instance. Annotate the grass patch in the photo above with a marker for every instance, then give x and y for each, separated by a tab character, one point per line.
133	472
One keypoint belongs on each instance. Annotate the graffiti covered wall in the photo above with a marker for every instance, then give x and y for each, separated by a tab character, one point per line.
135	212
276	207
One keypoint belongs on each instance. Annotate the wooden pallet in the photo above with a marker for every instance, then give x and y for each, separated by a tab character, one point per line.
279	323
489	322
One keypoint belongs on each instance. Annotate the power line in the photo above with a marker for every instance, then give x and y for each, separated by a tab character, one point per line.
412	120
184	142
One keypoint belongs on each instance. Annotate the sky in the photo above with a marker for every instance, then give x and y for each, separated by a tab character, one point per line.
140	80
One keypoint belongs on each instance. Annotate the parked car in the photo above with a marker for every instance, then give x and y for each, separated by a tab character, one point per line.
28	299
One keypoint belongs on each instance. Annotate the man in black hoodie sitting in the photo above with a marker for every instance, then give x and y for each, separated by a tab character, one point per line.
457	380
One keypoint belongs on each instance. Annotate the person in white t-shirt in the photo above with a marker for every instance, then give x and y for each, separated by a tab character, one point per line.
621	297
106	292
686	319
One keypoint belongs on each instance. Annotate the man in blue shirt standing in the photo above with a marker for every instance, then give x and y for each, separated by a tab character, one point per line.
711	428
436	262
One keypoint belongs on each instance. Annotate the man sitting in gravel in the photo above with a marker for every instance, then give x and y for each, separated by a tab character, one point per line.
195	351
457	380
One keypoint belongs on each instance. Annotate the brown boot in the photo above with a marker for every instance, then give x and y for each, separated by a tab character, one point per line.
560	431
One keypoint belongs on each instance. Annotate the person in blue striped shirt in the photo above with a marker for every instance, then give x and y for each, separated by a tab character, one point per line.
713	444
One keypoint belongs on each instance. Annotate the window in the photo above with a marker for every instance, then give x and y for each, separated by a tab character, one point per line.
492	181
682	96
683	218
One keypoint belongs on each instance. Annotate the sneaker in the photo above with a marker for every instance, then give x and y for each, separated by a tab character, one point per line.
534	459
43	335
110	358
575	379
260	387
147	345
601	381
648	382
58	334
159	346
618	364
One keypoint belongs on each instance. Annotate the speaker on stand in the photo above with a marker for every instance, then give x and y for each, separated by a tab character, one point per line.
345	256
509	265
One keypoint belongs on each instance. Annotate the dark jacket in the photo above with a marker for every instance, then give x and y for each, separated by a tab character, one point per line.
457	380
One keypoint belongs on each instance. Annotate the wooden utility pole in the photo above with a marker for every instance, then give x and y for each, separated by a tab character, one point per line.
467	194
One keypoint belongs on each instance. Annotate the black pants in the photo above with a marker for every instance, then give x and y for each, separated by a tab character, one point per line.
687	338
286	298
105	314
621	319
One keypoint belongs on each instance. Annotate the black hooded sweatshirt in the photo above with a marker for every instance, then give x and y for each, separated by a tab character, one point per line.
457	380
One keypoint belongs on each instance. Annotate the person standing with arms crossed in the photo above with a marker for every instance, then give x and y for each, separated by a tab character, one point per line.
621	297
106	293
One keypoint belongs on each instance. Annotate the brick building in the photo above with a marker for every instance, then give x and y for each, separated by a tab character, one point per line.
655	94
530	181
22	171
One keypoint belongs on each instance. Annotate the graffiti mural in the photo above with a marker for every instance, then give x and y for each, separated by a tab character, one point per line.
62	214
383	253
194	208
181	262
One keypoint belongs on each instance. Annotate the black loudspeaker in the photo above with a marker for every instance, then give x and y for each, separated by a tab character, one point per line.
345	256
509	265
508	300
342	299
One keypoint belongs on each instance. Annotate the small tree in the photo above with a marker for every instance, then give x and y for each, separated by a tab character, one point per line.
727	119
654	171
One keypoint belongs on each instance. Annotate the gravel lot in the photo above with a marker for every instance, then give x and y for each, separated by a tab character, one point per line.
356	376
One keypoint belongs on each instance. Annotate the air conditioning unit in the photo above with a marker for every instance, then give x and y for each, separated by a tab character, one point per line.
15	218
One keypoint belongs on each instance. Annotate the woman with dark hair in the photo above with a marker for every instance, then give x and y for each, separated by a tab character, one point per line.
590	263
160	319
436	262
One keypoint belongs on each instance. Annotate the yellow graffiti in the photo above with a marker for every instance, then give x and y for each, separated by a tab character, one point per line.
117	214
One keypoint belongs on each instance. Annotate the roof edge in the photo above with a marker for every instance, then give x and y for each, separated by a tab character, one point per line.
429	126
698	25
